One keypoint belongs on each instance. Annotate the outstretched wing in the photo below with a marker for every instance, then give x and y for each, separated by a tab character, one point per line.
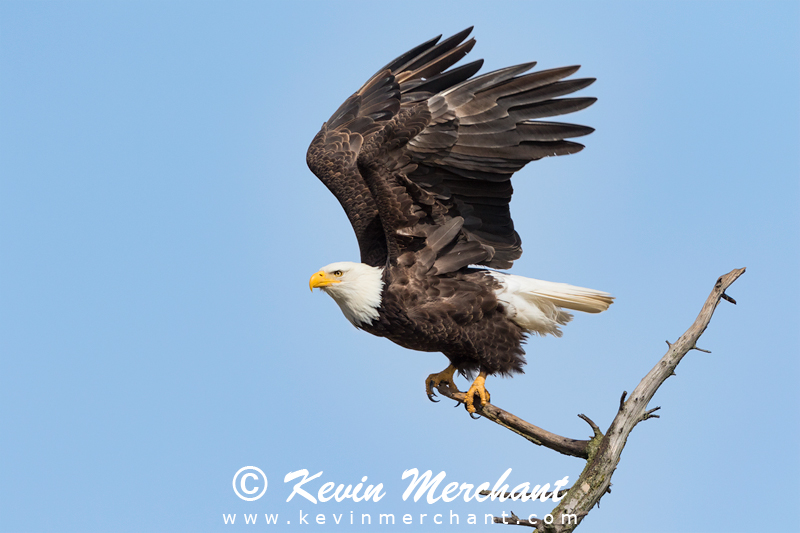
333	152
421	157
480	133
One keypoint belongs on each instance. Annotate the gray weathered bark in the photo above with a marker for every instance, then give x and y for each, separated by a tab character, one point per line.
602	452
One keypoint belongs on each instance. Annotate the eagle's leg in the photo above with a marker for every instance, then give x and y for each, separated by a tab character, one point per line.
434	380
479	389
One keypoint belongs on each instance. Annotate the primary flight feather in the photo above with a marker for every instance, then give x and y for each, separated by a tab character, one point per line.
421	159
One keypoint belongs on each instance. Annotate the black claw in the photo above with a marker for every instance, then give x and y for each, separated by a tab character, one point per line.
473	416
432	394
457	404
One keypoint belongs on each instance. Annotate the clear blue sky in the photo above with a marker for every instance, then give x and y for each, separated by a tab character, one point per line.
158	226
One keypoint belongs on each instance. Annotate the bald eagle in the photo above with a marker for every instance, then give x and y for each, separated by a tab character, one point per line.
421	158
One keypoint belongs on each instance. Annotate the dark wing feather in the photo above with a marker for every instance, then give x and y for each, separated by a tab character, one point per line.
480	133
421	157
333	152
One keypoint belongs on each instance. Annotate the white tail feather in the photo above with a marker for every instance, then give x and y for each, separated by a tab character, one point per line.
536	305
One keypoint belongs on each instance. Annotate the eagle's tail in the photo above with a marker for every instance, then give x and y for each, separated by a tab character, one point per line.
538	306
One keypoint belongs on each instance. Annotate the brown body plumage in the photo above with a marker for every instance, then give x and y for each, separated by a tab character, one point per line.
457	314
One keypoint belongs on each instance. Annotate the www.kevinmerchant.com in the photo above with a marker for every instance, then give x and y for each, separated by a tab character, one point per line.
250	484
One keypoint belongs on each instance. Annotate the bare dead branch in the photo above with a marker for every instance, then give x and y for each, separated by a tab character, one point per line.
595	428
595	479
535	434
649	414
728	298
602	452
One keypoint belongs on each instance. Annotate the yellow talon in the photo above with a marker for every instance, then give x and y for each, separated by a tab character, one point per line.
479	388
434	380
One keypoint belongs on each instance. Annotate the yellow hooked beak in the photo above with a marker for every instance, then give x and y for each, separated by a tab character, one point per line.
322	279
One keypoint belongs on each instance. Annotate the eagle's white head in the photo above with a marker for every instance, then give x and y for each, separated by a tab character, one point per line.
356	287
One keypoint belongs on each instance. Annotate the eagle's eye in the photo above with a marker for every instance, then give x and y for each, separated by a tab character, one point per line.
337	273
